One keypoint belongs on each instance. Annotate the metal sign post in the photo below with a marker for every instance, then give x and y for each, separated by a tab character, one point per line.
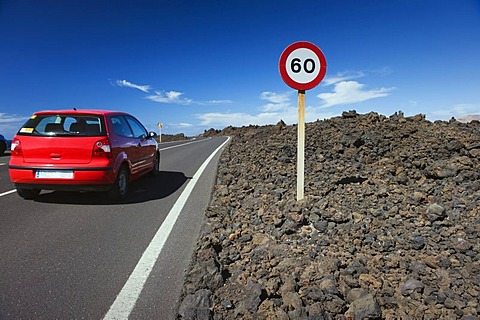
302	66
160	126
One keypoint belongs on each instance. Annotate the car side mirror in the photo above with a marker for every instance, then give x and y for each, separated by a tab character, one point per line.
152	134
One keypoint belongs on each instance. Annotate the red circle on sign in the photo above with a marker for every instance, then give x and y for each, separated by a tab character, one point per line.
296	63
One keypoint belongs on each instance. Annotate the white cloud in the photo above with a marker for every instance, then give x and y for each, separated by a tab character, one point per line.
169	97
237	119
275	97
11	118
162	96
342	76
221	120
10	123
219	101
457	110
352	75
279	108
347	92
127	84
185	125
278	101
172	95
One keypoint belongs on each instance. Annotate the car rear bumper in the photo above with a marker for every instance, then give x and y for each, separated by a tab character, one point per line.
84	179
65	187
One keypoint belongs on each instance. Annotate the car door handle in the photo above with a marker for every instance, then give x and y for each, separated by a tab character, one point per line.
139	145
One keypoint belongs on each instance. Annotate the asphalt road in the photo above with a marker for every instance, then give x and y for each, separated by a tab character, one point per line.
72	255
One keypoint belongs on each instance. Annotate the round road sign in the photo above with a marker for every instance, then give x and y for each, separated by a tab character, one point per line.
302	65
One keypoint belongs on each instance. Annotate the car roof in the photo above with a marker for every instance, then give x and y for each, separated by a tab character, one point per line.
80	112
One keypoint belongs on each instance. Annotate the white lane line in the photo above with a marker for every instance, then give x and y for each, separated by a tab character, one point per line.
8	192
184	144
167	142
3	164
126	299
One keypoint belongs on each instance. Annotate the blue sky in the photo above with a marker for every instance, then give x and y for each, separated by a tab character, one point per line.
194	65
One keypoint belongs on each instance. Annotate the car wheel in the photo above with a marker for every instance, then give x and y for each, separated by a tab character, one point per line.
3	147
119	189
156	166
28	193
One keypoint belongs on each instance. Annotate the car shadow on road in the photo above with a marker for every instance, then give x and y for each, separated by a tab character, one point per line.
142	190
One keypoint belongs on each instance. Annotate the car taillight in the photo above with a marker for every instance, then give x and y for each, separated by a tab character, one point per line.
101	148
16	148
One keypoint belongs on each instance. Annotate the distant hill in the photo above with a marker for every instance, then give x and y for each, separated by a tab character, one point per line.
172	137
469	118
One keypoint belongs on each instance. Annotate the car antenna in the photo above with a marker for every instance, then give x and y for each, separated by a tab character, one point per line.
74	108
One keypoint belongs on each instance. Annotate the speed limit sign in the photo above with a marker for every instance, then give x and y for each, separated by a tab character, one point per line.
302	65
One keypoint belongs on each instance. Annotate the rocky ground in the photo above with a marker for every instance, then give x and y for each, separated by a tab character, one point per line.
172	137
388	229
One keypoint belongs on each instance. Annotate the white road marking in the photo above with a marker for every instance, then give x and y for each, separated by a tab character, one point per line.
8	192
127	298
3	164
167	142
184	144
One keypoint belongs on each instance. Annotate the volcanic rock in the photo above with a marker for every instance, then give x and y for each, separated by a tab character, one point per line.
388	229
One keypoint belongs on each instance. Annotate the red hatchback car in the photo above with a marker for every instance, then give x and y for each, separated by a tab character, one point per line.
83	150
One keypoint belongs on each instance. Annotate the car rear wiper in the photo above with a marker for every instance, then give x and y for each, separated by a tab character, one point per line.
63	134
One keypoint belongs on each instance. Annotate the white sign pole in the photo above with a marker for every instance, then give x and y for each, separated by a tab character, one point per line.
301	146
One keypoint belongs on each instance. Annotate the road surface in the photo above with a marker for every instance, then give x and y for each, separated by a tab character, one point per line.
73	255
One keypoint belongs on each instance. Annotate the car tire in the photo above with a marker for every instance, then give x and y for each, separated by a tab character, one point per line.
28	194
3	148
156	166
119	189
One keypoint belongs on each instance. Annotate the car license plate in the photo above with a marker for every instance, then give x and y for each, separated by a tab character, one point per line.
54	174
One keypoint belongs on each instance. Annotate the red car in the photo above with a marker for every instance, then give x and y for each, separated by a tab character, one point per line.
84	150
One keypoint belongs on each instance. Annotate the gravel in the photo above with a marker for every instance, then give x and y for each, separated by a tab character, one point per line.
388	228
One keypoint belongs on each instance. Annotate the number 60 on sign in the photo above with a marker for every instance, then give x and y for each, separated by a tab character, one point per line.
302	65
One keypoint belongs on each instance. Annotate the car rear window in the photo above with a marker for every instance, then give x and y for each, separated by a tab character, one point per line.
64	125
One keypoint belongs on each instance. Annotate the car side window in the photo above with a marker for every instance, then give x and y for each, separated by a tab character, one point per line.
138	130
121	127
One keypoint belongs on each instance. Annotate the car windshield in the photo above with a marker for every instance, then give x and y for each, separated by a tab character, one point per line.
64	125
